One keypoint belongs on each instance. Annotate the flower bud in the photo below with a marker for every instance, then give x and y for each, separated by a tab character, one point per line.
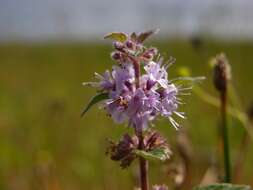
150	84
150	53
221	72
148	56
154	51
138	46
118	45
116	56
129	44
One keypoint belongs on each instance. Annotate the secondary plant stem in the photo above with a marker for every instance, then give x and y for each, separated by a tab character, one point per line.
224	129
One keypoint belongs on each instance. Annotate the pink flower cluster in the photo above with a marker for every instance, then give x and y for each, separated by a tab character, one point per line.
138	87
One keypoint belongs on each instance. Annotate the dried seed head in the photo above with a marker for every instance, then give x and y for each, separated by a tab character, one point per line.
123	151
153	140
221	73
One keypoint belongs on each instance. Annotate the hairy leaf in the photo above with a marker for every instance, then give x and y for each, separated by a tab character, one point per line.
160	154
97	98
223	186
133	36
144	35
118	36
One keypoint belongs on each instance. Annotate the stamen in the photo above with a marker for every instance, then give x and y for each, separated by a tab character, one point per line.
174	123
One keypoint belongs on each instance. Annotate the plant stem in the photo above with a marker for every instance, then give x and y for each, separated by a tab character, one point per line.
142	161
224	131
143	165
137	70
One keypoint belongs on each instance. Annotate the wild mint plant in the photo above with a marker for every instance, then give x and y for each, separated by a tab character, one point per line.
136	91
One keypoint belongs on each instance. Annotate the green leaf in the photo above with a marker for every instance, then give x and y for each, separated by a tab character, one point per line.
97	98
223	186
144	35
118	36
160	154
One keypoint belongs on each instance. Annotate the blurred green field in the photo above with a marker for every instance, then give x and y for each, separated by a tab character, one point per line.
44	144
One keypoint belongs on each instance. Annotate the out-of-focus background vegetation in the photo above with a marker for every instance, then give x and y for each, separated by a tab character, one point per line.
44	144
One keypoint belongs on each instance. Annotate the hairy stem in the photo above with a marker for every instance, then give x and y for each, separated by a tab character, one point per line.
142	161
225	139
143	165
137	70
